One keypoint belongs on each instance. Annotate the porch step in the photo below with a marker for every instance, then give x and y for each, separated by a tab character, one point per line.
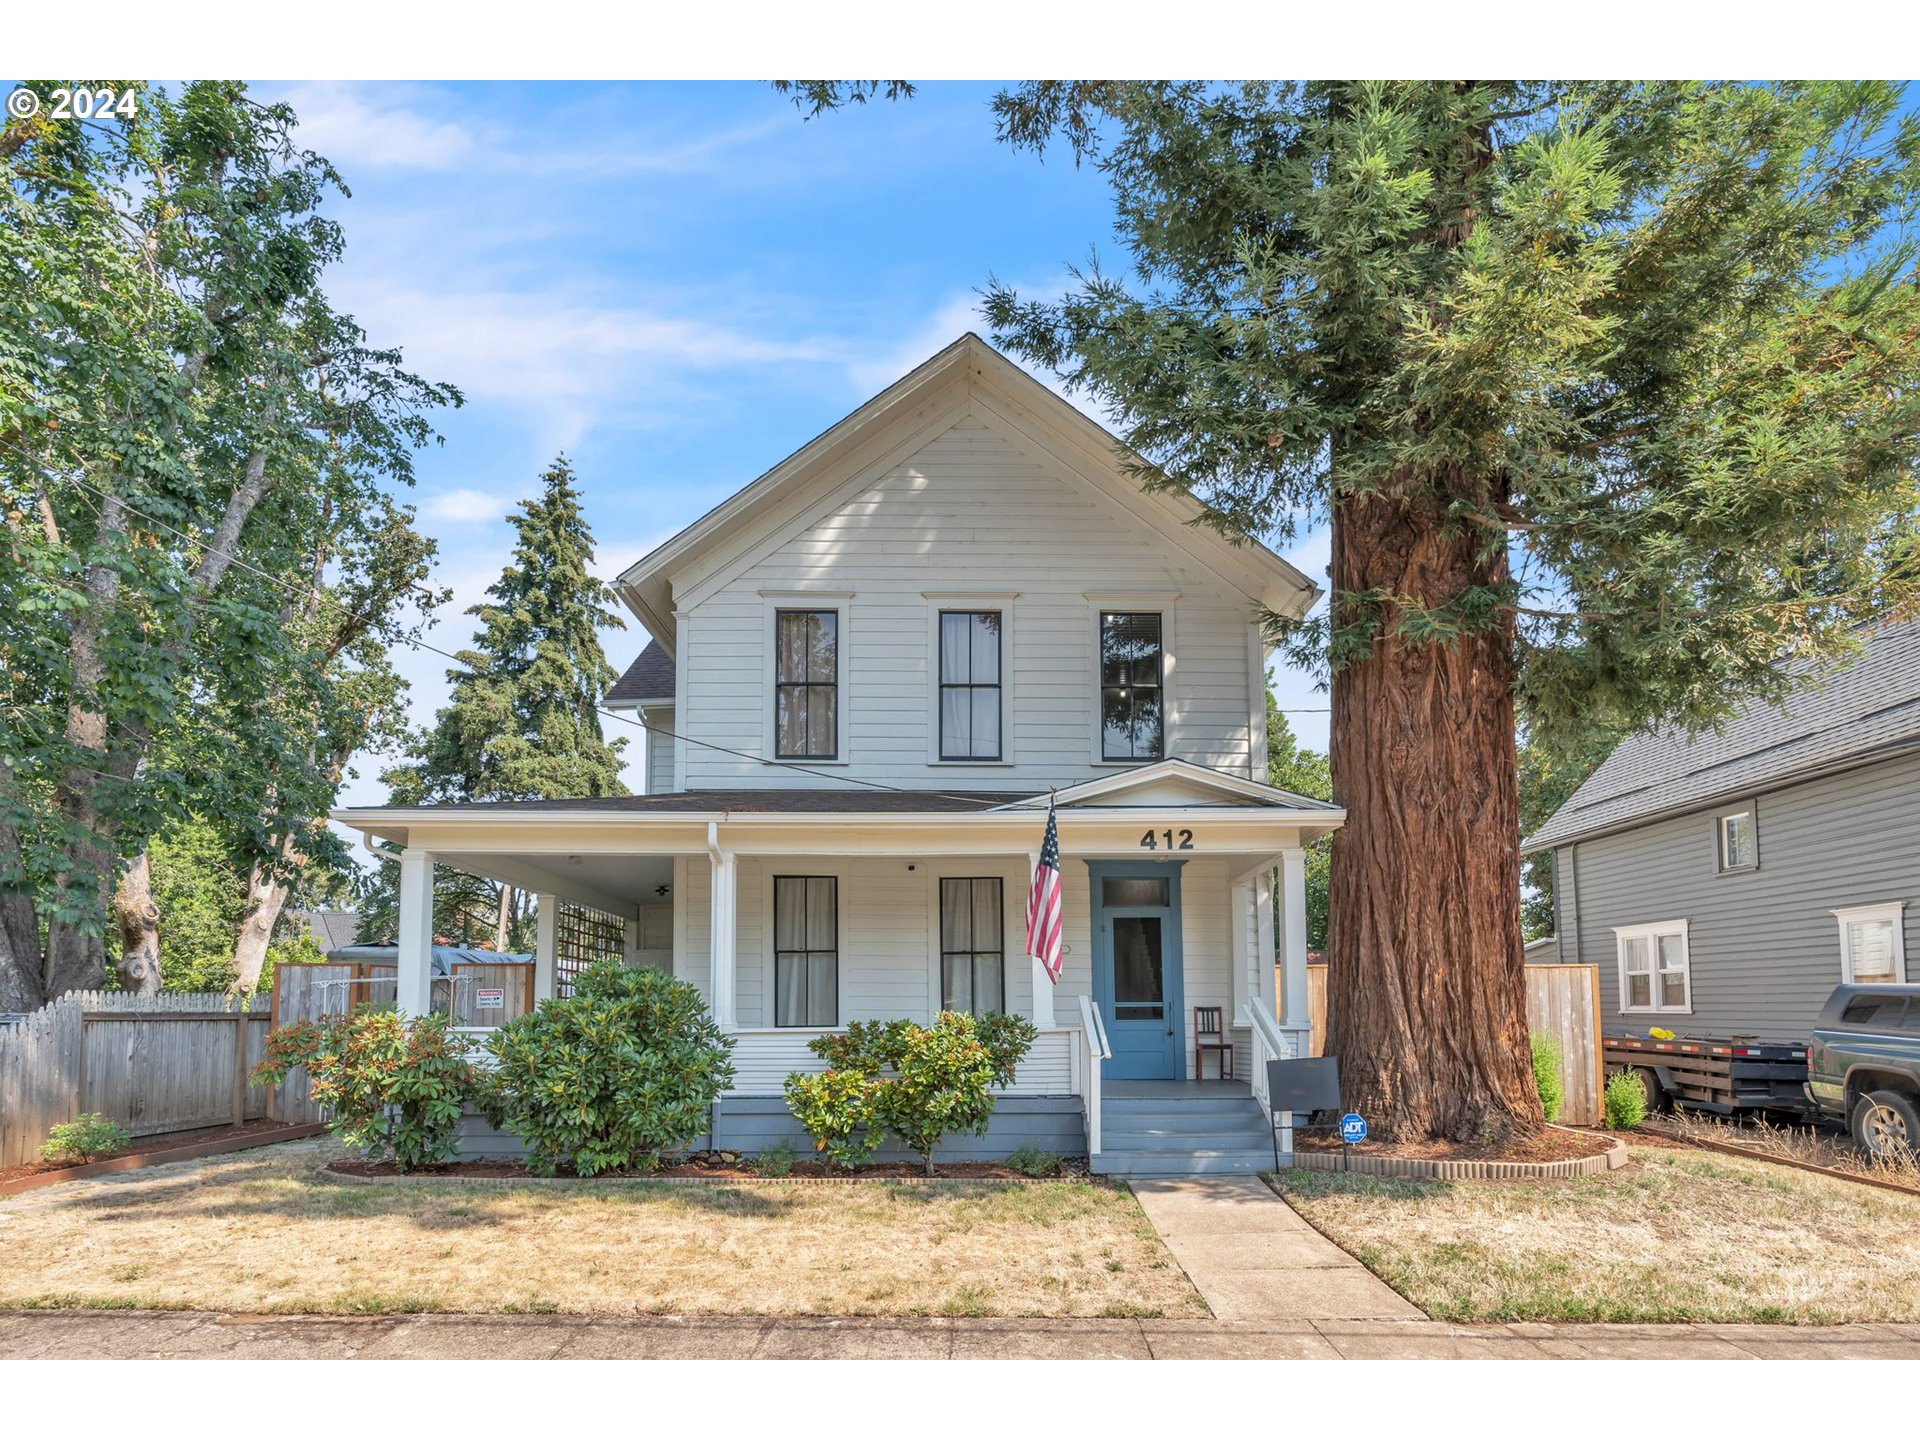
1199	1133
1145	1164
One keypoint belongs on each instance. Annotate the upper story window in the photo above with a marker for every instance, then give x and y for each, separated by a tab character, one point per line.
806	691
1873	948
1655	973
970	684
1739	840
1132	705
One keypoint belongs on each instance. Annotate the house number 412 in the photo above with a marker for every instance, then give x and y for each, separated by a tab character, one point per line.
1153	839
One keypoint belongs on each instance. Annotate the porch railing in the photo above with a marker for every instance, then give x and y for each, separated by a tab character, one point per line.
1269	1043
1090	1049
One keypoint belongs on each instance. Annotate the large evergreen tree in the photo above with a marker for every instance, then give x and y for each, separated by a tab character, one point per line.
524	720
1610	393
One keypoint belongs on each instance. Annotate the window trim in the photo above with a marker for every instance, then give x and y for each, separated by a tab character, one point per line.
1653	934
941	685
776	601
1103	609
940	951
1893	910
1748	813
1014	878
1002	601
771	1004
1162	602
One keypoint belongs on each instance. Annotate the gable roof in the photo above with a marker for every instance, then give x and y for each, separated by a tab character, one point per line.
916	398
1853	713
649	678
1178	782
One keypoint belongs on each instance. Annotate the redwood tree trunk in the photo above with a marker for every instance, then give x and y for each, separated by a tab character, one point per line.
139	921
1425	979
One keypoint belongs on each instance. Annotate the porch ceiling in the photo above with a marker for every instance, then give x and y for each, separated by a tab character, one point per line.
614	883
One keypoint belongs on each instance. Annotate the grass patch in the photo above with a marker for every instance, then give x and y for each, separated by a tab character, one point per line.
1672	1237
262	1232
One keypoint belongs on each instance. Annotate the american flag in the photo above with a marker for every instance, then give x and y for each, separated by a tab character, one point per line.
1043	902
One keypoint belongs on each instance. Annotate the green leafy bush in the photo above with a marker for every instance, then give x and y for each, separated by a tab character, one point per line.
917	1082
1032	1161
1626	1101
613	1077
391	1086
1546	1074
775	1161
90	1137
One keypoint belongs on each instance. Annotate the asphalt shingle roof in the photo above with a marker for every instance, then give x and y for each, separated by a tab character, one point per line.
1847	713
770	801
650	677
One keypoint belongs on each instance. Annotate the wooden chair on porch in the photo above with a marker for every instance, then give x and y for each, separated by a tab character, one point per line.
1210	1033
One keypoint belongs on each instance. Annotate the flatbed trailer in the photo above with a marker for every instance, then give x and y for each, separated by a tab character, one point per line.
1719	1076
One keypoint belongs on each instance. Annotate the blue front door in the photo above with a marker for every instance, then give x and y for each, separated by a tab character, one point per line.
1136	966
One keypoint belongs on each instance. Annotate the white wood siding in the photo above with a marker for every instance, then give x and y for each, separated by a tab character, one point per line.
970	512
658	775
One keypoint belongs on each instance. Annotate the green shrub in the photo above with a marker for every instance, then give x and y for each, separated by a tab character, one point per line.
1546	1074
917	1082
624	1070
1626	1101
376	1061
775	1161
1032	1161
91	1137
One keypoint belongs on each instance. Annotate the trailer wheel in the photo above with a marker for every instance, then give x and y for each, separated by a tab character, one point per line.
1658	1101
1886	1125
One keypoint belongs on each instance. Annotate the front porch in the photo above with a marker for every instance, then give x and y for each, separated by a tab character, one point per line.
792	925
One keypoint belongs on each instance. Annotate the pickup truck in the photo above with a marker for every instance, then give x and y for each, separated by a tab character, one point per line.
1863	1066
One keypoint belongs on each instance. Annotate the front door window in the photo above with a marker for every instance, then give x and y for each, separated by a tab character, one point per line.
1138	968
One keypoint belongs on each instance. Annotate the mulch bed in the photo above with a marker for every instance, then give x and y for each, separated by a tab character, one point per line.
1552	1143
699	1167
149	1145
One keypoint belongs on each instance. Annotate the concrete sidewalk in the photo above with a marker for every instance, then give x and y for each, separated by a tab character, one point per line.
1252	1257
198	1335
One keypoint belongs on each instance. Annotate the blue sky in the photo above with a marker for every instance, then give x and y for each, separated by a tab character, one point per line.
677	284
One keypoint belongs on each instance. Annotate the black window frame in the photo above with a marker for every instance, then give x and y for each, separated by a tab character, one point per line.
805	687
973	954
970	685
805	956
1158	688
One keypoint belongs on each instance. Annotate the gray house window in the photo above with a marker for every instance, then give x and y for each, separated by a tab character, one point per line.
969	684
1132	711
972	952
806	950
1739	840
806	691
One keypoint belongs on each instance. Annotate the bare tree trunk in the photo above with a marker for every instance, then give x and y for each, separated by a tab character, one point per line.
503	926
139	920
1425	981
266	896
23	976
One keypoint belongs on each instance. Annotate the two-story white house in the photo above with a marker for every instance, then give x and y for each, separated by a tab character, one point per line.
869	670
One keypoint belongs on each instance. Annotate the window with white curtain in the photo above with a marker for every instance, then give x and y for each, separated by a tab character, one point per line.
973	962
806	950
1655	974
1872	945
970	684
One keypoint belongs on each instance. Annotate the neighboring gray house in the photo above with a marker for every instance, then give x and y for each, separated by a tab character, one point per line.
1725	884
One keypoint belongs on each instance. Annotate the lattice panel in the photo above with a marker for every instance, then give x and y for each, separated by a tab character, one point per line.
582	936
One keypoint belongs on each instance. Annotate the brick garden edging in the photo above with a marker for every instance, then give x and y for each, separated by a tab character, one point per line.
1402	1168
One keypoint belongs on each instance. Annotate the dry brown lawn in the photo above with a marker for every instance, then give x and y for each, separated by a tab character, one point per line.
1674	1236
264	1232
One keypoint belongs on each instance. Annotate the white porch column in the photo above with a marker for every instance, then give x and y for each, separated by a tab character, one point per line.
721	1001
1240	924
1042	982
1293	940
546	947
414	965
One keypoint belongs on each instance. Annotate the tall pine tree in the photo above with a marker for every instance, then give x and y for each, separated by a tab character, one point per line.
523	722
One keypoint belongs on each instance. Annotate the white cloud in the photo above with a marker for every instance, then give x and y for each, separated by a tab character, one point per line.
461	506
353	129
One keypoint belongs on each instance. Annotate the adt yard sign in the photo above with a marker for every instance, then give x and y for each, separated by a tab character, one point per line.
1353	1128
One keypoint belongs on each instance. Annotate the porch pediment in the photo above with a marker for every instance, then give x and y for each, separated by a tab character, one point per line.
1173	784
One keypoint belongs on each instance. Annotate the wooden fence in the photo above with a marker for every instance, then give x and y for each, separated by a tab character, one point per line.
1562	1000
154	1064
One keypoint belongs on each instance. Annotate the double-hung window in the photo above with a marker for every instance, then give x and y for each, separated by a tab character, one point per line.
1872	945
806	690
1739	842
806	950
1654	971
973	962
970	667
1132	675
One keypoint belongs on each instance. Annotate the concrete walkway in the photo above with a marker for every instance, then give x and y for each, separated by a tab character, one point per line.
198	1335
1252	1257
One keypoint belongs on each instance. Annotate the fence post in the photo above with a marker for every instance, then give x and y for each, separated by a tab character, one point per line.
242	1020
